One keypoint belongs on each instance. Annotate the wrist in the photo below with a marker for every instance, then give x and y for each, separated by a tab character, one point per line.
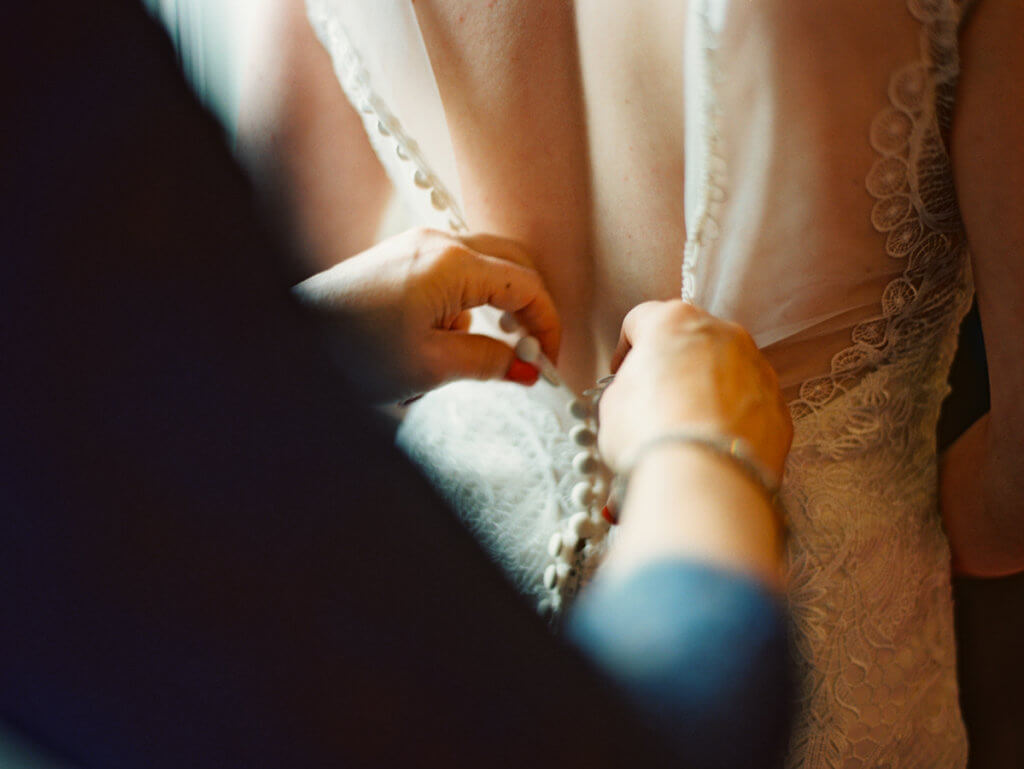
724	445
685	501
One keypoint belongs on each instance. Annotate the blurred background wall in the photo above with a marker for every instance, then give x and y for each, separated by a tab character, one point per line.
214	41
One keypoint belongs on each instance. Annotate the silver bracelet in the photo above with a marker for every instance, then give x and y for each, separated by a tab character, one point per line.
731	447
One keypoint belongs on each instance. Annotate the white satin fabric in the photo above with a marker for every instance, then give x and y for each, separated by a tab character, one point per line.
821	214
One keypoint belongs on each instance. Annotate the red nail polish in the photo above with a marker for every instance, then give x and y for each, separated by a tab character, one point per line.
609	516
522	373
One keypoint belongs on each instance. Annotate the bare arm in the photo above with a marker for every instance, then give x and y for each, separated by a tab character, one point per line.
982	478
305	144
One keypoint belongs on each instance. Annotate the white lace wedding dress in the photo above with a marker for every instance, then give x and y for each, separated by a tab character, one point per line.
850	268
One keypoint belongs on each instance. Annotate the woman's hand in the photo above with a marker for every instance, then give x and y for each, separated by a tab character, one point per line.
677	366
401	309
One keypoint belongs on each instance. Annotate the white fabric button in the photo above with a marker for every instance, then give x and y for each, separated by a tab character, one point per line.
421	180
528	349
550	577
582	494
438	200
579	409
582	435
585	463
508	322
571	543
581	525
555	545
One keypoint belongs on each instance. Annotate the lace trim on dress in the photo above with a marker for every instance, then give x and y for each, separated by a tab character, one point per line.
915	209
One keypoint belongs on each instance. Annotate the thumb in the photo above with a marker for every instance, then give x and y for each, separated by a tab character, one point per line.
475	356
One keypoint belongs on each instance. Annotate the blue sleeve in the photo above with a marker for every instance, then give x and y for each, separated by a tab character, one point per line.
703	655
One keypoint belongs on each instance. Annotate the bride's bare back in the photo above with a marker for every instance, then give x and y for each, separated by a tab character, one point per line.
568	134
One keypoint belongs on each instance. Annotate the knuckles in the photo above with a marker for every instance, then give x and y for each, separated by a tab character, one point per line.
452	258
435	250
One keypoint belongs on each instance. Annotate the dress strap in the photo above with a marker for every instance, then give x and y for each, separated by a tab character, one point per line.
384	37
